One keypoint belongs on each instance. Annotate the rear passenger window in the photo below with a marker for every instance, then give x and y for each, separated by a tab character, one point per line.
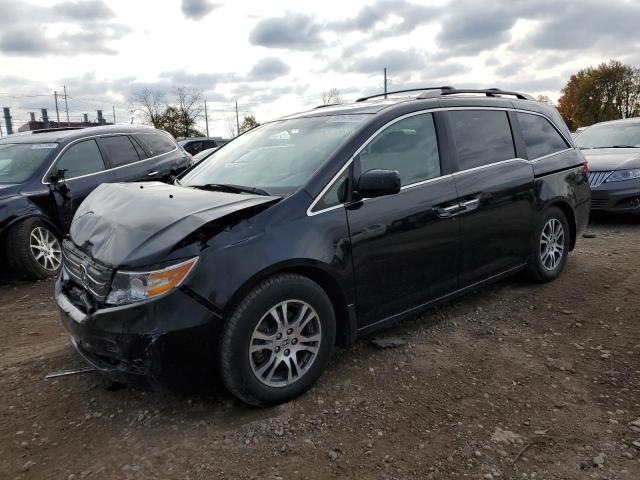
409	146
482	137
540	137
119	149
156	143
81	158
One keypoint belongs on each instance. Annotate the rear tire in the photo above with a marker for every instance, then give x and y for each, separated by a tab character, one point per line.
33	250
277	341
550	246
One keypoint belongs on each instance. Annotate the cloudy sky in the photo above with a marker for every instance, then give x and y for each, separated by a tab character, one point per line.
275	57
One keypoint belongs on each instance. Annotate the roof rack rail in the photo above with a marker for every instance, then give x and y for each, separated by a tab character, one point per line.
325	106
363	99
56	129
489	92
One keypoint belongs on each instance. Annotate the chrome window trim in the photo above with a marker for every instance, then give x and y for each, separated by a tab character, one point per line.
535	160
93	137
311	213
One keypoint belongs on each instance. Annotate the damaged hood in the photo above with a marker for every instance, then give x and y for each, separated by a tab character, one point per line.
125	221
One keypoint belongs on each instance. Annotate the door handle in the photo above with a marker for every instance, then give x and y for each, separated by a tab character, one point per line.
469	205
448	211
152	173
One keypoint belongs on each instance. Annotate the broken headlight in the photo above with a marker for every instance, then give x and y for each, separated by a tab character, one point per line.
128	287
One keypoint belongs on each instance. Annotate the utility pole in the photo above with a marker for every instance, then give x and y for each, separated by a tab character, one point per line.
385	82
113	107
237	120
66	107
206	118
55	94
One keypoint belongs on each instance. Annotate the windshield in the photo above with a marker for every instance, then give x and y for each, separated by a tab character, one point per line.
277	157
18	161
610	136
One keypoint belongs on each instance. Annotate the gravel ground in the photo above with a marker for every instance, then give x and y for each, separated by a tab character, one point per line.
513	381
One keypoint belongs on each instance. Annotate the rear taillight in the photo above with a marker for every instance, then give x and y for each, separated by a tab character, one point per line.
585	167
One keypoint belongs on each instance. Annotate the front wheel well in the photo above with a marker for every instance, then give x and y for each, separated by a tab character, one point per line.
345	326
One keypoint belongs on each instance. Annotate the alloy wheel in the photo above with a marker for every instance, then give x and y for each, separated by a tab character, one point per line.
45	248
552	244
285	343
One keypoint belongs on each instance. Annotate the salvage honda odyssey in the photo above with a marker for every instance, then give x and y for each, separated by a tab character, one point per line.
311	230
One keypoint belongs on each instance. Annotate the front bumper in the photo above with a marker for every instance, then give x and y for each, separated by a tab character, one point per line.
622	197
160	341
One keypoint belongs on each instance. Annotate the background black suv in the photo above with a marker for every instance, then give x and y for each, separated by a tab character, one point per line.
197	145
45	175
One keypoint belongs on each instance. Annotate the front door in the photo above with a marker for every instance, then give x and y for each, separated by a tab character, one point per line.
84	169
404	246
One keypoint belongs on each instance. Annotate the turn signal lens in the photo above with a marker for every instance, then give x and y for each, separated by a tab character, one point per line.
164	280
128	287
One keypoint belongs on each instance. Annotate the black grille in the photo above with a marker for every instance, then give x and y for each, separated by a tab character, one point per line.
597	178
86	272
597	203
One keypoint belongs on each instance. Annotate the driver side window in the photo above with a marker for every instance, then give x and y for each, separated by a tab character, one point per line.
80	159
409	146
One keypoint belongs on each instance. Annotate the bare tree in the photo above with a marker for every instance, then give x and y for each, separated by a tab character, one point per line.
230	125
544	99
150	104
331	97
189	106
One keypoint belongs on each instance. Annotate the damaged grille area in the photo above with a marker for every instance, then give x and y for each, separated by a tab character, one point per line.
86	272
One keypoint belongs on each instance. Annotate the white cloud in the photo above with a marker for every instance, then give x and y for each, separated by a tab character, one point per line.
277	57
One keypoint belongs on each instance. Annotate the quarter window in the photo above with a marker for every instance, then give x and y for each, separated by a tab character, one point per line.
409	146
481	137
156	143
81	158
119	150
540	137
336	195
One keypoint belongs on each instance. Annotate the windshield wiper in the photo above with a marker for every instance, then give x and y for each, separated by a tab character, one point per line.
229	188
610	146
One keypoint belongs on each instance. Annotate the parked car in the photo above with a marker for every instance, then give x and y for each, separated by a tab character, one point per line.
197	145
197	158
312	230
613	151
45	175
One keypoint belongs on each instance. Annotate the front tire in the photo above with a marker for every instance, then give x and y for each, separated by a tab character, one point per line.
277	341
33	250
550	246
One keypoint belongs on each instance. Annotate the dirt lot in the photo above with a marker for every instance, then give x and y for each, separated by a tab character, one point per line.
514	381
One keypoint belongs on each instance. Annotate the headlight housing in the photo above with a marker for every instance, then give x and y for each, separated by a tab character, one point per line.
129	287
621	175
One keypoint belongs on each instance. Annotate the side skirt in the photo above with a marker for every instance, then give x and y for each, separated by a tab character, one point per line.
385	322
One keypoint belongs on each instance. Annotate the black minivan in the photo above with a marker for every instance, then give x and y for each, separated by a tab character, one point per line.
46	174
311	230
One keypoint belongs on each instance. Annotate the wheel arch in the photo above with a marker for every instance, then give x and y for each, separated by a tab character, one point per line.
317	272
566	208
39	216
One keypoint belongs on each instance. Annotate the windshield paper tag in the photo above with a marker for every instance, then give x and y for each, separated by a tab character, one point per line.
37	146
346	118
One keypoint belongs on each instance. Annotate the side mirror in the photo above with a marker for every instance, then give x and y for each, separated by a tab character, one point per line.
378	183
57	177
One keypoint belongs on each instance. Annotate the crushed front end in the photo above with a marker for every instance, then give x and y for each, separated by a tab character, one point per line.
150	341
